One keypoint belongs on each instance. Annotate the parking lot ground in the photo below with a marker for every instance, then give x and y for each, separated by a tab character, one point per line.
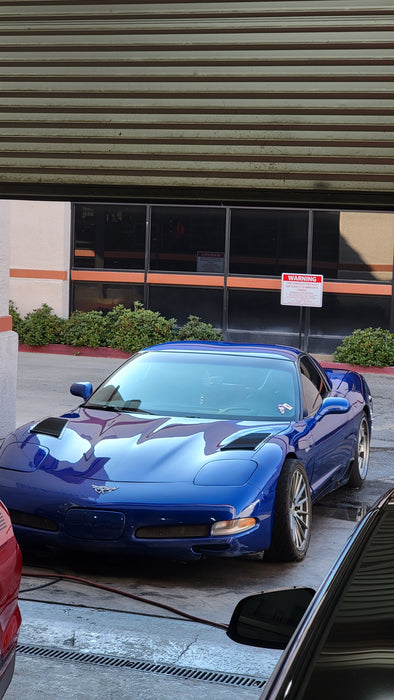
78	641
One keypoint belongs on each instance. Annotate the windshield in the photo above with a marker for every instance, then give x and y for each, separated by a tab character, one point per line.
204	385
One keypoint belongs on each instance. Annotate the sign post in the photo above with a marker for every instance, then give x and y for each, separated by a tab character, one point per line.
303	290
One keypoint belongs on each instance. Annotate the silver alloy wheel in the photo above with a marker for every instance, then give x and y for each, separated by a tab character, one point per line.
363	448
299	510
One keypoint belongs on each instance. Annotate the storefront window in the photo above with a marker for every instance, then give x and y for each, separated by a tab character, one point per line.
188	239
109	236
104	296
342	313
262	242
353	245
180	303
268	242
260	311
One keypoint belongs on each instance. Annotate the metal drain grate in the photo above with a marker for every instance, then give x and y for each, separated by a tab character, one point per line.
195	674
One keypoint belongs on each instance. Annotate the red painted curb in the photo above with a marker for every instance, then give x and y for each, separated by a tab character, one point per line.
358	368
55	349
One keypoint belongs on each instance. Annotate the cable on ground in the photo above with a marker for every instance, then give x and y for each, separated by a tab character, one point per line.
117	591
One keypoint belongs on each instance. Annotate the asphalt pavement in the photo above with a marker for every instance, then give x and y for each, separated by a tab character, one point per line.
77	642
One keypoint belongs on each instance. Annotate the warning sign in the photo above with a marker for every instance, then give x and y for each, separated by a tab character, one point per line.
301	289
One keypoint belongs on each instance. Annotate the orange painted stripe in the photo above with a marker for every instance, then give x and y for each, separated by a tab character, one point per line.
358	288
362	288
39	274
84	253
367	268
183	280
5	323
333	287
253	283
104	276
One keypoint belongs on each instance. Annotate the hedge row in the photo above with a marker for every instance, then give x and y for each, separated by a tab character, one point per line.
132	329
125	329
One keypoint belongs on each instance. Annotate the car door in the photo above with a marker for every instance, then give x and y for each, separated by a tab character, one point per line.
332	435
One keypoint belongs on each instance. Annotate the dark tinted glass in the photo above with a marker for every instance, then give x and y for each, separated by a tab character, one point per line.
356	658
109	236
212	385
181	302
104	296
188	239
313	389
258	311
268	242
342	313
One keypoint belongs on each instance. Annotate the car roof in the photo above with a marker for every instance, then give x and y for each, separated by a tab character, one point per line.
201	346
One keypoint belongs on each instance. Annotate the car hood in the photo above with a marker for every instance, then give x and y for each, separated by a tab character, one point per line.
95	444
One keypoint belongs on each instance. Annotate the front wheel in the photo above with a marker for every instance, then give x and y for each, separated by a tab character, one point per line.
359	468
292	514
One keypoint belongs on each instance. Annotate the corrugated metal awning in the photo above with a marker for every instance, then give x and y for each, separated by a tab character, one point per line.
237	97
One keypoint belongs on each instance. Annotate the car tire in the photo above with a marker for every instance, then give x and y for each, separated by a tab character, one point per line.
359	467
292	515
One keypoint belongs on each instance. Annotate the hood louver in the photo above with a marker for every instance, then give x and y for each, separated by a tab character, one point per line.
50	426
245	442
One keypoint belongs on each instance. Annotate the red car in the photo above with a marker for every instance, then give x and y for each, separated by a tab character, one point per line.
10	617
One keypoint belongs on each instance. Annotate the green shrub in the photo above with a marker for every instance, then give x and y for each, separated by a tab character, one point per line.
85	328
42	327
368	347
125	329
131	330
195	329
17	320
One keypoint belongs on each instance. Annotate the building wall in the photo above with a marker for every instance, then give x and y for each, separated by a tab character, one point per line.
40	255
259	103
126	252
370	236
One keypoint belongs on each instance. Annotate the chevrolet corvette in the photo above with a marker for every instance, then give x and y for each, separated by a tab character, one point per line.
191	449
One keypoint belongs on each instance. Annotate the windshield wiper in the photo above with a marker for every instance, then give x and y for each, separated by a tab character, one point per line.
117	409
103	407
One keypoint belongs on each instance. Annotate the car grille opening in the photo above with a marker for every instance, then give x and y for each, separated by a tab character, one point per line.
168	532
37	522
211	548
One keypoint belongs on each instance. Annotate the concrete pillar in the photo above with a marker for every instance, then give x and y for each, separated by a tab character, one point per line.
8	338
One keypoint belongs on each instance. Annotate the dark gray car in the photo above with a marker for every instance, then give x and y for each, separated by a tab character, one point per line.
339	642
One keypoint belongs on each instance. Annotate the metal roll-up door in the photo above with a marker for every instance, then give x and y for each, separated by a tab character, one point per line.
198	97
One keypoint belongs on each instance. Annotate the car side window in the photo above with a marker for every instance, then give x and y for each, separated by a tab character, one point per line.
313	387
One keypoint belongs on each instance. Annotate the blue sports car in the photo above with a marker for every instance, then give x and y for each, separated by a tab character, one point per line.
191	449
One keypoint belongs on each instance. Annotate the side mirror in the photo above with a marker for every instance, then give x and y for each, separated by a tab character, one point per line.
83	389
269	619
333	404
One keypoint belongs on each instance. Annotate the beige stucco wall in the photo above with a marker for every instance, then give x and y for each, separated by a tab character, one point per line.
369	238
40	255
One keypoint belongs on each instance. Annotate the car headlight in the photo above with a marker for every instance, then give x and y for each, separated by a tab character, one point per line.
233	527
